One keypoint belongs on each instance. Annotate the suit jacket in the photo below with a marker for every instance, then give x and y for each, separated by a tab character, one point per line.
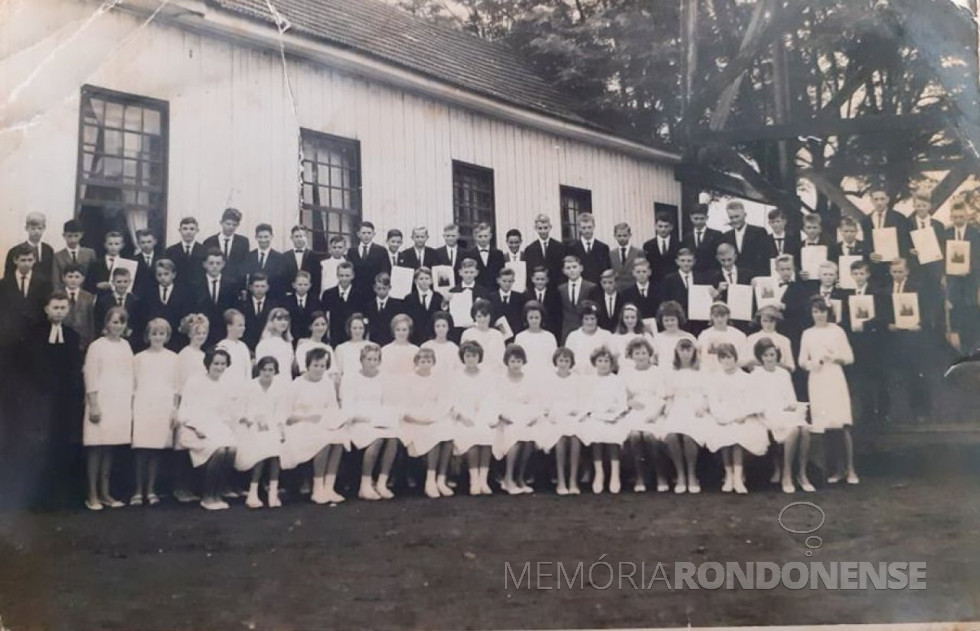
62	258
791	245
17	312
647	305
487	276
309	262
552	260
81	318
940	232
673	288
888	305
98	272
379	321
744	276
754	253
145	279
552	310
255	322
570	319
275	264
661	264
189	267
134	309
180	302
365	269
609	320
595	262
961	291
623	267
422	315
893	219
860	248
705	252
340	310
300	318
228	294
235	266
410	258
44	267
513	311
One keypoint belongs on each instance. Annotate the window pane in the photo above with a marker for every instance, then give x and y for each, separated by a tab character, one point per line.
133	145
307	194
129	171
113	115
327	179
113	168
113	143
134	118
151	122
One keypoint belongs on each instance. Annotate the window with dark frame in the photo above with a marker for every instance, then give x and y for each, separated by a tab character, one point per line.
473	201
331	187
574	202
122	165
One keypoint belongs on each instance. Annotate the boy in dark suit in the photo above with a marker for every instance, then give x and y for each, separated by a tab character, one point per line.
506	302
369	259
381	310
849	245
256	308
146	258
393	243
468	271
866	337
419	255
81	311
22	296
780	241
547	296
267	260
234	247
35	225
729	274
751	243
814	237
545	252
702	240
302	259
961	291
609	301
342	301
642	292
882	216
449	253
167	300
120	296
301	304
623	254
514	239
593	253
99	272
187	254
928	276
73	252
573	292
422	304
903	363
489	260
677	286
662	249
216	292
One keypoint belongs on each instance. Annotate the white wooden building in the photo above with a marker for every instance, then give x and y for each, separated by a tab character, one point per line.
167	108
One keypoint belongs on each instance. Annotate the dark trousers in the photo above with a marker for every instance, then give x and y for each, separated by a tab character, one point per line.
869	382
904	366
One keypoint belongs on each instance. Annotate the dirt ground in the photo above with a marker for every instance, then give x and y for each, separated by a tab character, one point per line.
416	563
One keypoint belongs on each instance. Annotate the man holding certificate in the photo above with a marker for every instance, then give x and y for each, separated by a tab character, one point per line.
739	299
904	346
887	231
962	241
928	244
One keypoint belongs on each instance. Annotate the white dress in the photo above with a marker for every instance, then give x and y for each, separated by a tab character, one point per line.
664	344
282	351
447	357
305	345
206	406
493	345
830	401
306	439
366	405
607	403
646	399
423	399
239	373
266	413
583	344
735	408
348	356
774	390
709	340
621	340
469	400
109	371
782	343
190	363
157	382
540	347
565	403
686	411
398	360
520	402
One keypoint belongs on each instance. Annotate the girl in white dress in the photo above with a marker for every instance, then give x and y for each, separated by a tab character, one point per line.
260	431
630	327
734	408
240	370
644	385
365	399
319	326
155	405
348	354
190	363
490	340
426	428
769	317
782	414
520	409
277	342
475	415
561	428
315	428
672	318
108	405
686	420
446	351
540	345
824	351
400	353
605	428
206	416
719	333
588	338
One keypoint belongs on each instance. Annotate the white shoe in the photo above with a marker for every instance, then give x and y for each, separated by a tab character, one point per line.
432	491
485	488
788	486
597	485
561	490
639	487
333	497
662	487
694	487
806	486
274	501
614	486
680	488
253	501
444	489
574	490
740	487
384	492
727	485
368	492
475	489
853	478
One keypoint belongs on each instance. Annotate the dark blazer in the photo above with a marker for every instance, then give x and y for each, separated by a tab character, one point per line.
410	258
379	321
647	305
255	322
44	267
744	277
661	264
791	245
300	318
146	276
595	262
180	302
421	315
513	311
860	248
62	259
962	290
237	261
888	305
17	312
98	272
274	268
623	266
552	308
340	310
81	317
570	319
608	320
893	219
552	260
365	269
487	276
309	262
189	267
705	252
134	309
754	253
938	229
228	294
673	288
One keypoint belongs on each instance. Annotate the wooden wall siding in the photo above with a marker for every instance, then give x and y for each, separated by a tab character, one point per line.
234	138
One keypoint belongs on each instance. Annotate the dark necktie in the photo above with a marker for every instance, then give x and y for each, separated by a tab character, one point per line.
588	247
541	297
425	302
506	298
227	242
779	245
74	257
119	301
164	298
214	291
187	250
23	286
71	299
643	292
262	260
258	308
622	255
697	239
687	284
364	252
